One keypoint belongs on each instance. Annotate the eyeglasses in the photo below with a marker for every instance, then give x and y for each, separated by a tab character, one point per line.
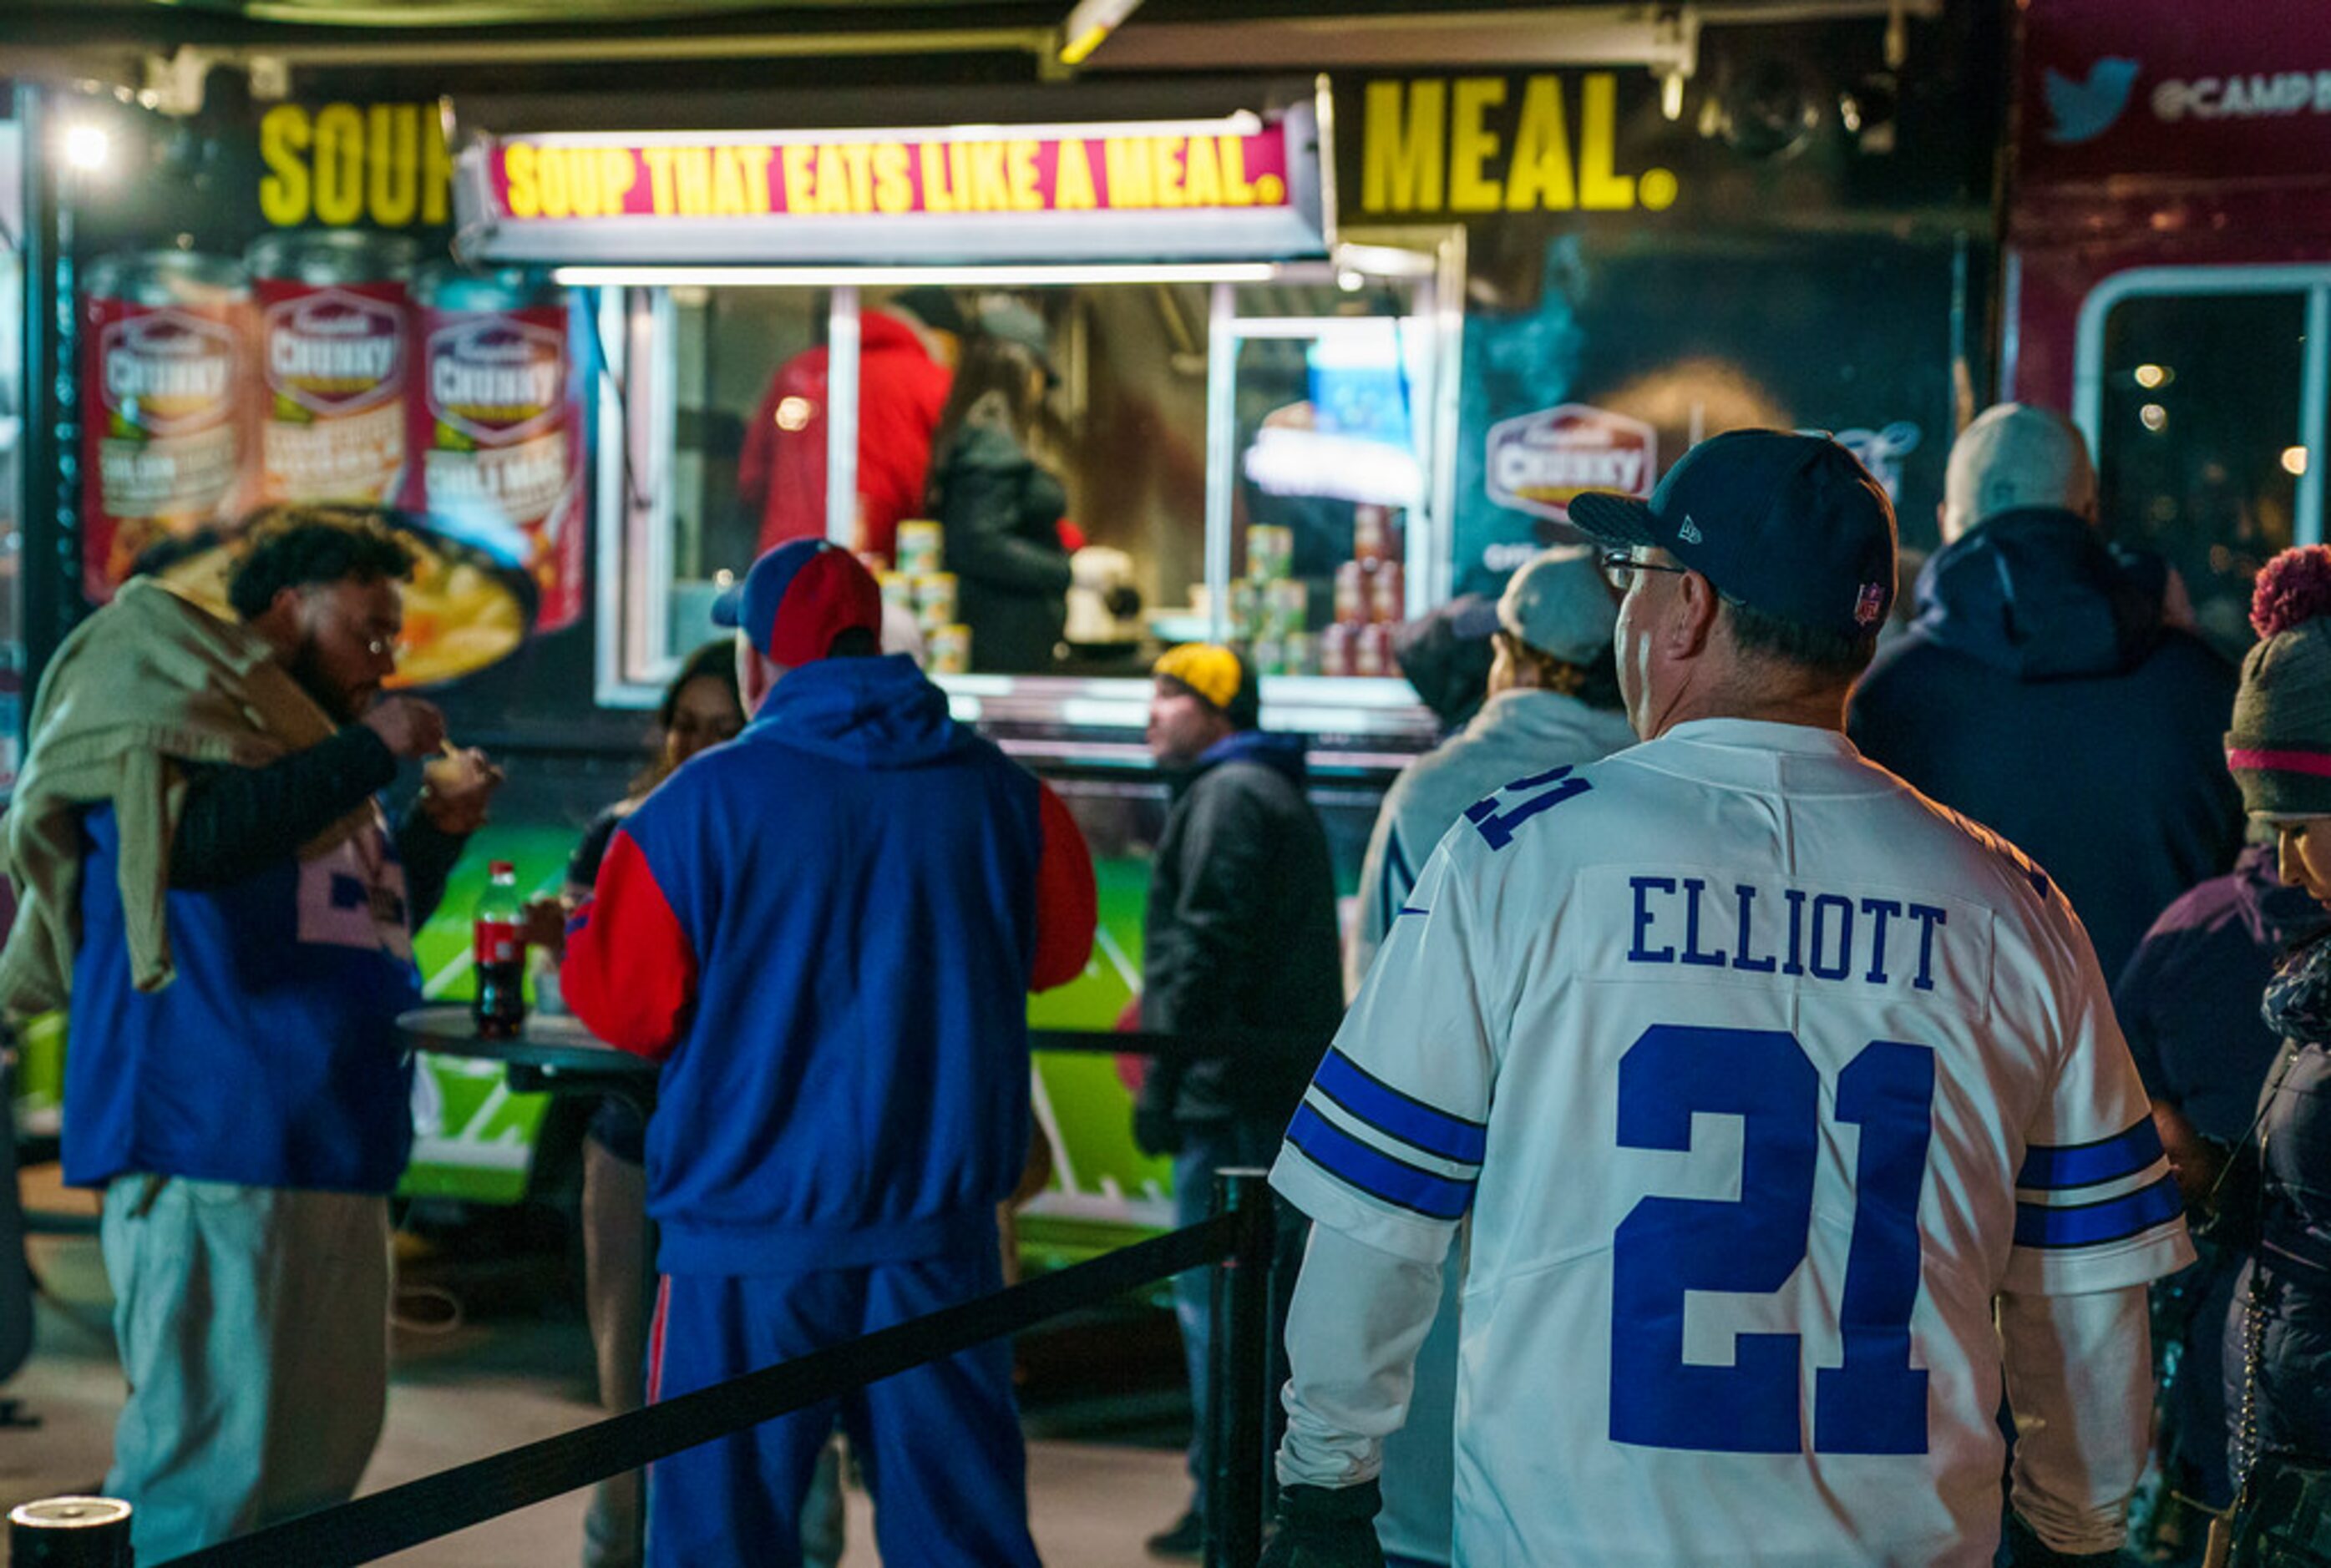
1618	565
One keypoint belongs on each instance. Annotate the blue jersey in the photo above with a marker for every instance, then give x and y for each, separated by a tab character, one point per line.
271	1059
1755	1077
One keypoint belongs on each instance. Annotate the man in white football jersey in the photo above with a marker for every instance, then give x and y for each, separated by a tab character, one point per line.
1782	1111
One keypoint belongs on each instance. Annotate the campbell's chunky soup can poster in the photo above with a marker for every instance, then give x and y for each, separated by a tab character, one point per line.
164	431
334	340
496	428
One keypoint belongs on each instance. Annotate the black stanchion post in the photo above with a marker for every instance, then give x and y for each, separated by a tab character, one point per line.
70	1532
1239	1380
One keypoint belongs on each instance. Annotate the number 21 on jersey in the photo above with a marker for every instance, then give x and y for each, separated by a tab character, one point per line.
1876	1401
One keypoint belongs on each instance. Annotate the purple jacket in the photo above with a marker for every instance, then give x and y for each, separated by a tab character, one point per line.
2189	999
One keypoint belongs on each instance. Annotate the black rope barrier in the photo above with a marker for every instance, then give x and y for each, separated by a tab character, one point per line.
405	1517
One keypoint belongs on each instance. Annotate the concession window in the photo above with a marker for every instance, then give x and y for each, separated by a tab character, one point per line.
1251	416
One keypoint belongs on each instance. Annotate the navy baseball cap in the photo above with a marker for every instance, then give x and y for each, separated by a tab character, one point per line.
798	598
1791	525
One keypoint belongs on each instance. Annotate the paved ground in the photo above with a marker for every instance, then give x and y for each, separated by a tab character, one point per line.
1103	1462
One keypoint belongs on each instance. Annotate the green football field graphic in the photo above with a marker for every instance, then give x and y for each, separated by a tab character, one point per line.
475	1140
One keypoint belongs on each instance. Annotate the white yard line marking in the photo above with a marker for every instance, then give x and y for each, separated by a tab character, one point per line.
1117	959
1042	1103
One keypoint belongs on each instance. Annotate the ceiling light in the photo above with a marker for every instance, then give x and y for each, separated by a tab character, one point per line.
1089	23
86	148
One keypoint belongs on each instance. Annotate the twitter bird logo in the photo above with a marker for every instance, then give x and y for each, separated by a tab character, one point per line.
2085	110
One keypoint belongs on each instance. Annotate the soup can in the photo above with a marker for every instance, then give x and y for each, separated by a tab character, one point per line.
935	599
165	392
1246	610
1372	650
1270	551
334	336
948	650
1268	655
1301	653
898	591
1387	593
497	426
1370	534
1335	650
1351	595
920	546
1286	605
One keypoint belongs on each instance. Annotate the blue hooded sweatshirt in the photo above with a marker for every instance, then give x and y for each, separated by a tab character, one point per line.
2040	693
824	929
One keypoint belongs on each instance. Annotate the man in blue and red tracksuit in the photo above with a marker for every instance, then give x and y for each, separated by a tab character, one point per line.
825	930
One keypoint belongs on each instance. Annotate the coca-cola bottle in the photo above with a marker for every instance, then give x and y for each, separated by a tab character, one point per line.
499	952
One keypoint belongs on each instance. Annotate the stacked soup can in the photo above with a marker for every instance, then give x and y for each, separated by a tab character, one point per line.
324	366
1270	607
1370	599
924	586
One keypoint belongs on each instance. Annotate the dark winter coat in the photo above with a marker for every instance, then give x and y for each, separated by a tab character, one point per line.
1241	931
2189	1003
2040	693
2293	1253
1001	511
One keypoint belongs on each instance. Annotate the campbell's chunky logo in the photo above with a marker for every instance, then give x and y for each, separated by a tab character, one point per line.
169	372
497	380
335	352
1540	462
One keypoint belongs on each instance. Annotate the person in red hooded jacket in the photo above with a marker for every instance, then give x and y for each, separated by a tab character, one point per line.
906	358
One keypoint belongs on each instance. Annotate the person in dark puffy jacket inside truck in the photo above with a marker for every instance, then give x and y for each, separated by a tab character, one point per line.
1001	508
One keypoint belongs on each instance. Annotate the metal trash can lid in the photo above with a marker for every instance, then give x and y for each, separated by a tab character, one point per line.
70	1532
70	1512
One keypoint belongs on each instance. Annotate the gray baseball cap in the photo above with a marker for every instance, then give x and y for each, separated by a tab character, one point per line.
1012	322
1559	605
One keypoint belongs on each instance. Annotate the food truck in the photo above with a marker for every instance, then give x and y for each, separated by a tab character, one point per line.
1333	338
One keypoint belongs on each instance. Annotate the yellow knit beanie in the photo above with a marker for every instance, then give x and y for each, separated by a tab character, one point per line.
1216	674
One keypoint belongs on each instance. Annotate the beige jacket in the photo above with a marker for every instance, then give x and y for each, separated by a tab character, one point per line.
150	680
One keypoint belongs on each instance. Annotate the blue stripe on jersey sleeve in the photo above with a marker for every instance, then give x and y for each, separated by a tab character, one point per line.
1375	1173
1395	1115
2094	1224
2054	1169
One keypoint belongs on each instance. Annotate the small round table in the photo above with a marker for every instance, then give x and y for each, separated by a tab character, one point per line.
552	1053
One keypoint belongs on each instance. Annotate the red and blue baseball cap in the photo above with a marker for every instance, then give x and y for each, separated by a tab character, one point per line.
798	598
1792	525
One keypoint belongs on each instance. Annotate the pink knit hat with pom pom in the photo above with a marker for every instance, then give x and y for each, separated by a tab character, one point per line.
2279	747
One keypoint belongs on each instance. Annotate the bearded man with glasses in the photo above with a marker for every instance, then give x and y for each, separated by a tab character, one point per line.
205	877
